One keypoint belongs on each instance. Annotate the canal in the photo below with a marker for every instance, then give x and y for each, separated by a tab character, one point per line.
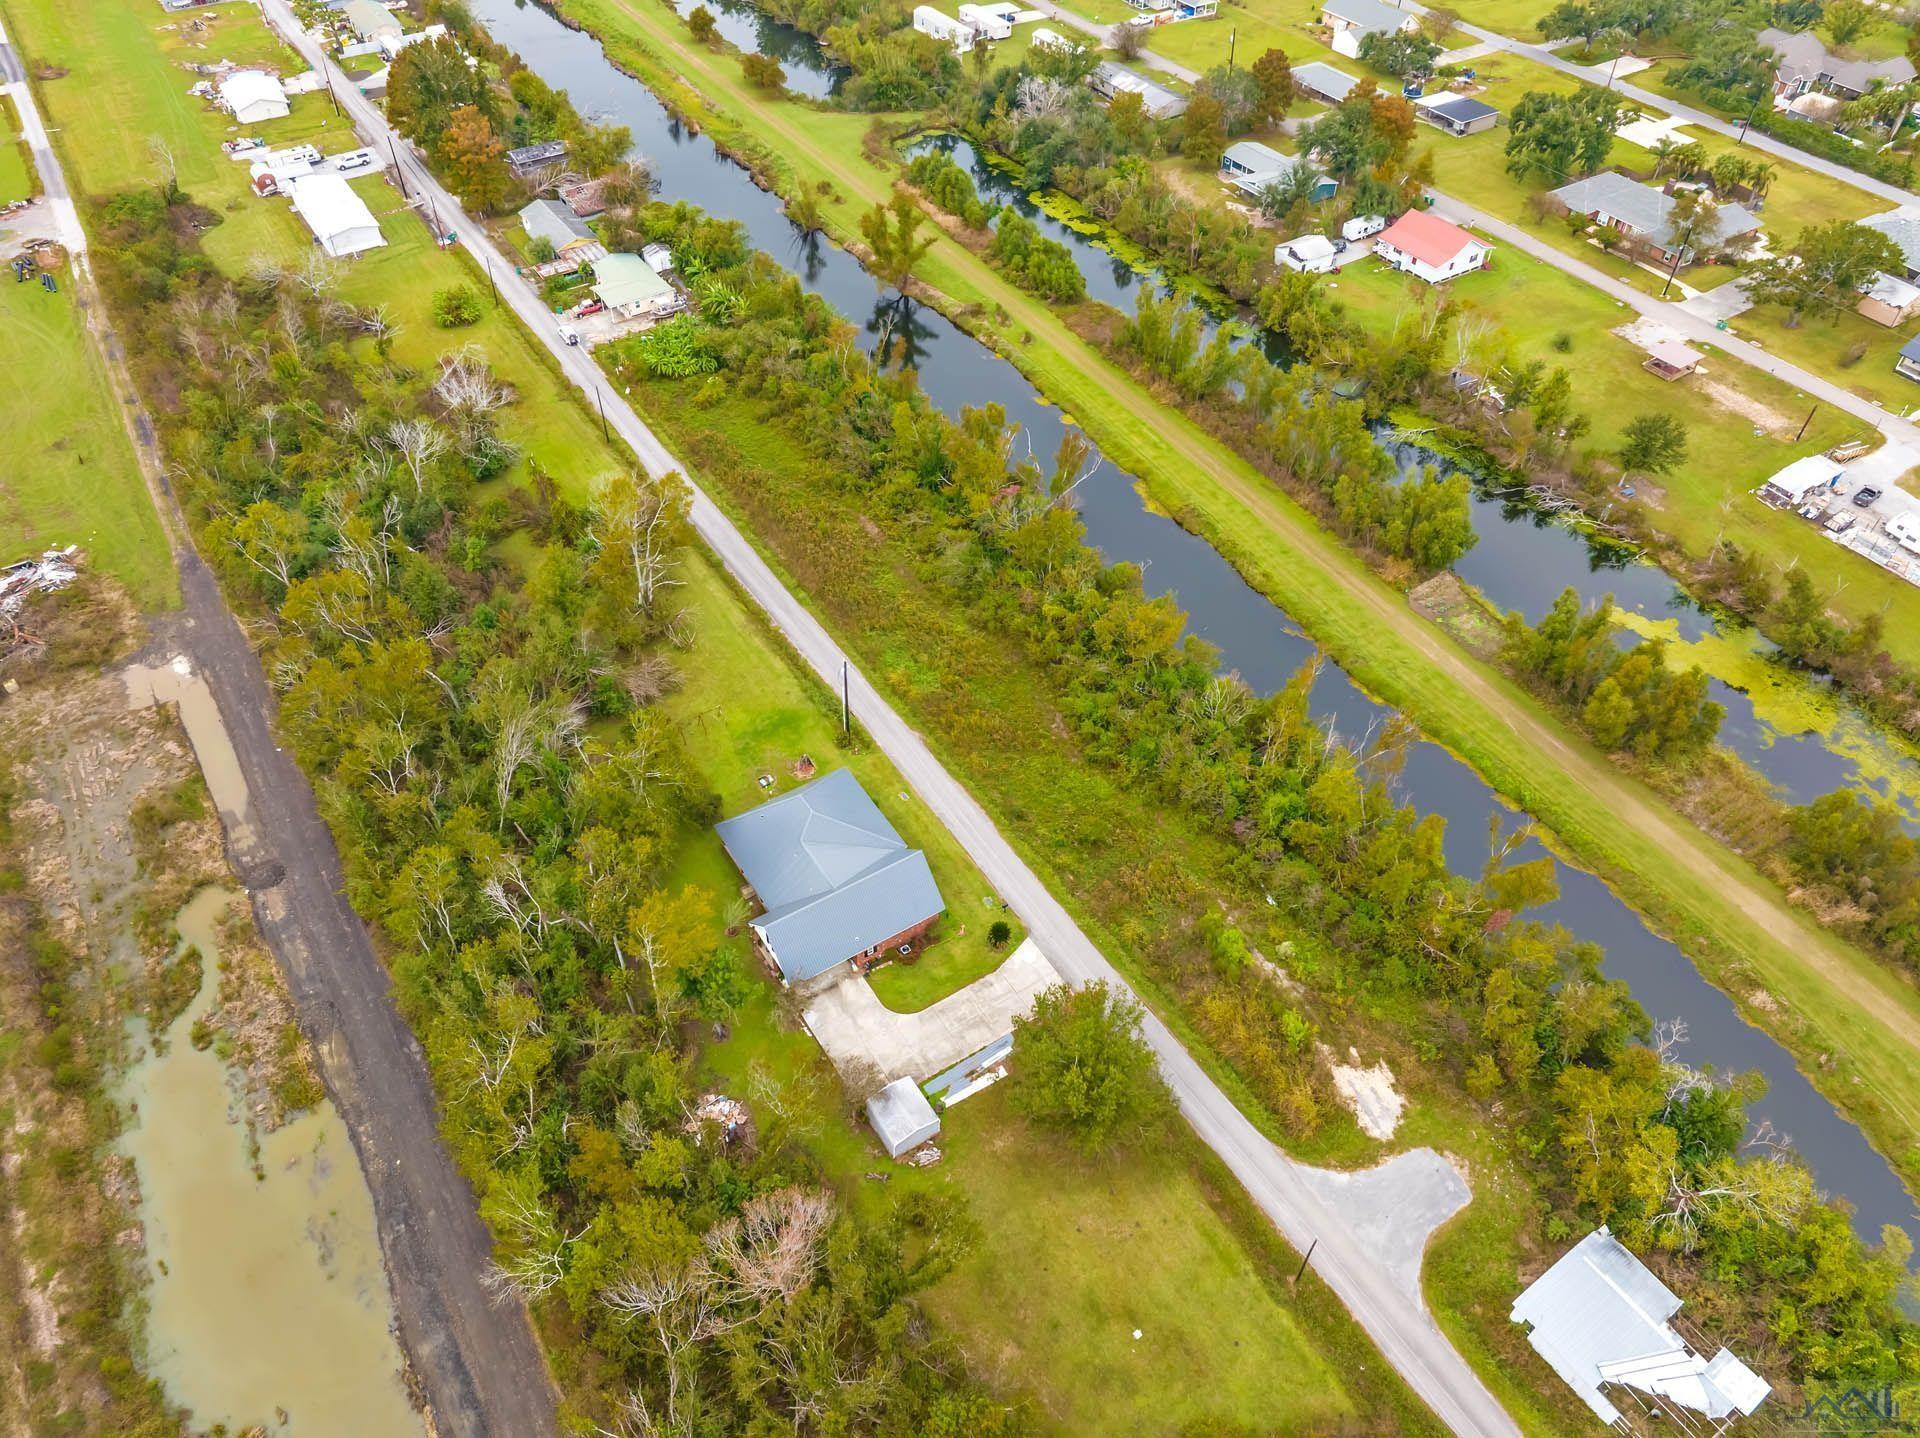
1254	637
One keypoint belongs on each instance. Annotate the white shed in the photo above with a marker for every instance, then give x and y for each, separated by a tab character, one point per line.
1309	254
254	96
902	1118
339	219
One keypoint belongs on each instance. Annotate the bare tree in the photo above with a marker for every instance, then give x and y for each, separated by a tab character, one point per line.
418	442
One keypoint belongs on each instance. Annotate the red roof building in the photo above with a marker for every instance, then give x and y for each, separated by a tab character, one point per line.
1423	244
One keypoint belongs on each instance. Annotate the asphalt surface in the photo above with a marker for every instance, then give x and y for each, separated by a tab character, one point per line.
475	1361
1348	1256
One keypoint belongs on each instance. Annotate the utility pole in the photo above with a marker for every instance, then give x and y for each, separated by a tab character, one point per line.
399	171
331	96
600	398
490	284
1233	37
1304	1262
846	702
1805	422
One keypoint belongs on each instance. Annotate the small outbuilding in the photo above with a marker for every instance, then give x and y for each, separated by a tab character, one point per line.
902	1118
1457	114
1602	1319
1109	80
659	257
1670	360
1309	254
342	224
1890	300
1791	486
254	96
530	159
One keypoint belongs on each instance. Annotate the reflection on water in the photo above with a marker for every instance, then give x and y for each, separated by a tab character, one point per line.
267	1293
1255	637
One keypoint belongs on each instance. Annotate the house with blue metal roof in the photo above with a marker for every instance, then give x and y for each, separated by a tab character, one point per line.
837	884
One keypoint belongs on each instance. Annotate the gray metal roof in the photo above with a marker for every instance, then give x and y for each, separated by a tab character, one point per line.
551	220
1158	101
1463	108
1803	57
544	153
1911	349
902	1117
835	877
1600	1316
1323	79
1642	207
1373	17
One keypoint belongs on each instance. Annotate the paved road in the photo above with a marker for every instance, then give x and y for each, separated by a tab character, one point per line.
1372	1264
53	180
475	1360
1689	326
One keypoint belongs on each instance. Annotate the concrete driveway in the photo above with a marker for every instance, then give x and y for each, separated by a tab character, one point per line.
855	1028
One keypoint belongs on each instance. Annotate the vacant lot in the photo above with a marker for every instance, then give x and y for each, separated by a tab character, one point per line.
68	475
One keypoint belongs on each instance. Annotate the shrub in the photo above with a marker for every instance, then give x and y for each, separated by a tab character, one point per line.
999	932
456	307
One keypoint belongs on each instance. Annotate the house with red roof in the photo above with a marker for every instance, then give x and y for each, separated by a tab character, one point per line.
1423	244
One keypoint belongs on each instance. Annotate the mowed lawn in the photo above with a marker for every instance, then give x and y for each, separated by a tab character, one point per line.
16	170
1075	1254
746	712
69	475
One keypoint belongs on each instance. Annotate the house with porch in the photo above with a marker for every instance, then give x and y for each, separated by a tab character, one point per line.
1803	64
837	884
1644	216
1250	167
1351	21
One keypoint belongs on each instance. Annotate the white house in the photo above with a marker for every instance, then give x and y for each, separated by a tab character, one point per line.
942	26
1422	244
993	21
1310	254
1602	1320
391	45
1351	21
1045	39
1790	488
254	96
339	219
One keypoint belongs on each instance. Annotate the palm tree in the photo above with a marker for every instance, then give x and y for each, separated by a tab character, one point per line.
1663	152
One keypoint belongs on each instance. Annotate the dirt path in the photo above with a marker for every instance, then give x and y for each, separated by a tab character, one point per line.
1778	940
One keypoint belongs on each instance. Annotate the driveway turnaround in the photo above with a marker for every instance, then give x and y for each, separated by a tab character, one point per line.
855	1028
1348	1260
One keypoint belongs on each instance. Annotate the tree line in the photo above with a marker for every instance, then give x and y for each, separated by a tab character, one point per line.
487	743
1615	1127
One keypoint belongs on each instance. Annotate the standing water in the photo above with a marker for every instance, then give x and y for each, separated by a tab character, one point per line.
268	1302
1255	637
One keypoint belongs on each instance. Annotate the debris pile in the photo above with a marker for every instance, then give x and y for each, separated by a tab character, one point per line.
55	569
727	1116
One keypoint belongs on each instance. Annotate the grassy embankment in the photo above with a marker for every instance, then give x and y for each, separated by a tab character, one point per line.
745	708
1853	1023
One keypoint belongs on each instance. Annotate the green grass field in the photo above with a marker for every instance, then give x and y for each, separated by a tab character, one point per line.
16	168
71	476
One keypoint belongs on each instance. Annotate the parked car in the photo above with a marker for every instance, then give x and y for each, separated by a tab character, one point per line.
589	307
357	161
1865	495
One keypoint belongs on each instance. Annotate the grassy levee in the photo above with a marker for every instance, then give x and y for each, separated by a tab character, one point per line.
1166	1225
1853	1023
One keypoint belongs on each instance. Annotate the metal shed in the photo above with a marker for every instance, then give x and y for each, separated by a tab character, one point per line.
902	1118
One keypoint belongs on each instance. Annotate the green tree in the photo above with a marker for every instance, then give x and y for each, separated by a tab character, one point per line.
1274	73
701	23
456	307
1825	269
1555	138
1082	1067
1847	20
1203	130
763	72
1653	444
894	241
475	161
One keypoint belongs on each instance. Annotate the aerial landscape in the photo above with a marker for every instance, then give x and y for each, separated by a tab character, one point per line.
844	717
